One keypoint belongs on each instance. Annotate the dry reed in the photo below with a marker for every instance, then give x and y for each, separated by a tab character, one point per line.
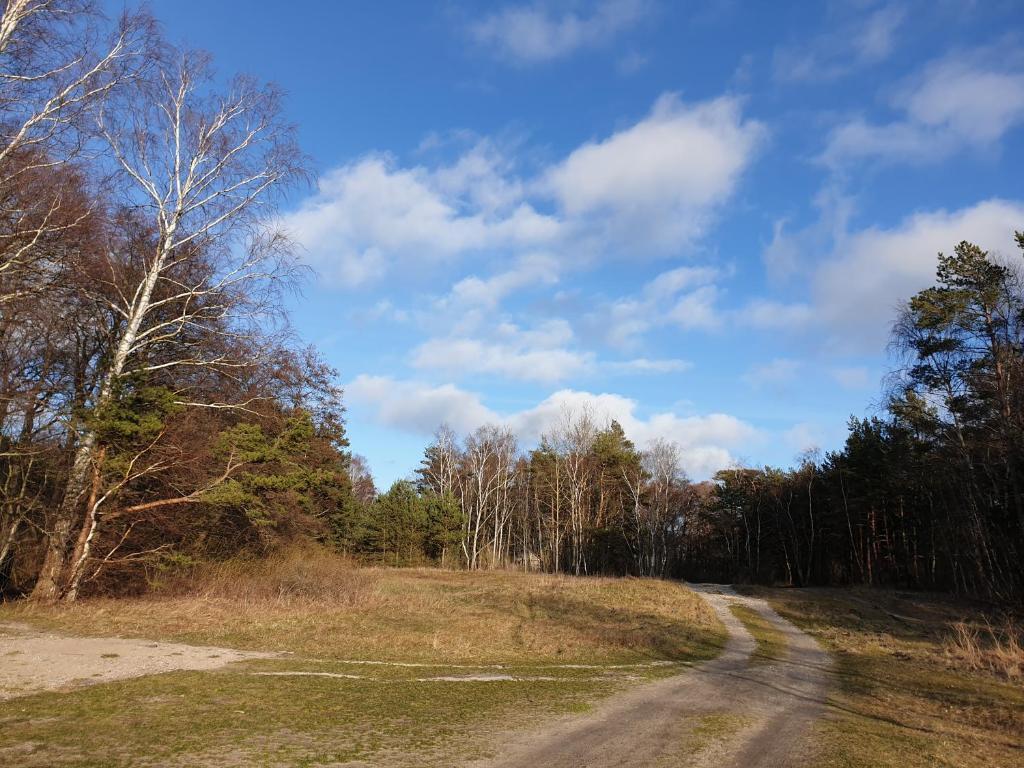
996	648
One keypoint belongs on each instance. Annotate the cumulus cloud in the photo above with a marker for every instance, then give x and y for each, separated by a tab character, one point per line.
658	182
873	272
417	407
655	187
696	310
959	101
371	213
684	296
707	442
804	438
764	314
533	34
668	284
538	354
690	298
532	269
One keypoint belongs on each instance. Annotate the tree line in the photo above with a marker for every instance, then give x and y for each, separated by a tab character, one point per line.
929	494
926	495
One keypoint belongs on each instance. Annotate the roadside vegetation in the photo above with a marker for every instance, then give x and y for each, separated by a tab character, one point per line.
770	642
236	718
920	679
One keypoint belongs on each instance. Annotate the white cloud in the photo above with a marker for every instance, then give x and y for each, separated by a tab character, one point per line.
667	284
529	35
658	182
662	302
530	270
803	438
631	63
707	442
646	365
690	299
976	102
369	214
775	373
849	46
781	256
765	314
960	101
654	187
539	354
625	321
873	272
696	310
417	407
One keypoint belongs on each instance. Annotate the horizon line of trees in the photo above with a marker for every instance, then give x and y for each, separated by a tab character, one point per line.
929	495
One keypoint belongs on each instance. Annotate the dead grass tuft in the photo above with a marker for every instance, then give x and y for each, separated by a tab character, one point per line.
295	575
901	698
996	648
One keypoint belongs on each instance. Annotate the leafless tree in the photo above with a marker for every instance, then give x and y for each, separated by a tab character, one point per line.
58	58
204	167
573	439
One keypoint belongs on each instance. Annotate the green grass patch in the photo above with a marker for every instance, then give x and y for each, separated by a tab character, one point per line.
236	718
771	643
699	736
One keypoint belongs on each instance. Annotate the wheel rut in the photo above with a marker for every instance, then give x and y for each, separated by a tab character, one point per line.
725	713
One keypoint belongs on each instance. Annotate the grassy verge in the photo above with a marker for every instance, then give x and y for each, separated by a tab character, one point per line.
904	696
315	706
315	605
771	643
235	718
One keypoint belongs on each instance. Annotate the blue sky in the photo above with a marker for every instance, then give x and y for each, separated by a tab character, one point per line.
695	218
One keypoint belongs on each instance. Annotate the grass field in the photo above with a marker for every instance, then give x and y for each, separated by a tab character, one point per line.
567	641
908	693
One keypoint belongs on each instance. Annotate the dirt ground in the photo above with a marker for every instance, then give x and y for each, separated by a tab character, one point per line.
32	661
716	714
762	714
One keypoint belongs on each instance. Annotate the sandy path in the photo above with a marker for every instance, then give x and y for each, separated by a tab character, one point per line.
32	661
773	703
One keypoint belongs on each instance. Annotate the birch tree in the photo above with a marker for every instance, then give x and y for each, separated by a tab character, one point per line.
57	59
203	169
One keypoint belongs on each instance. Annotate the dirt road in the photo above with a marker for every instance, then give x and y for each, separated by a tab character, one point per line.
722	713
32	661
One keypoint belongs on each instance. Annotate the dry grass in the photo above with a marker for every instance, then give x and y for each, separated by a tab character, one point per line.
316	604
324	609
904	697
995	648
